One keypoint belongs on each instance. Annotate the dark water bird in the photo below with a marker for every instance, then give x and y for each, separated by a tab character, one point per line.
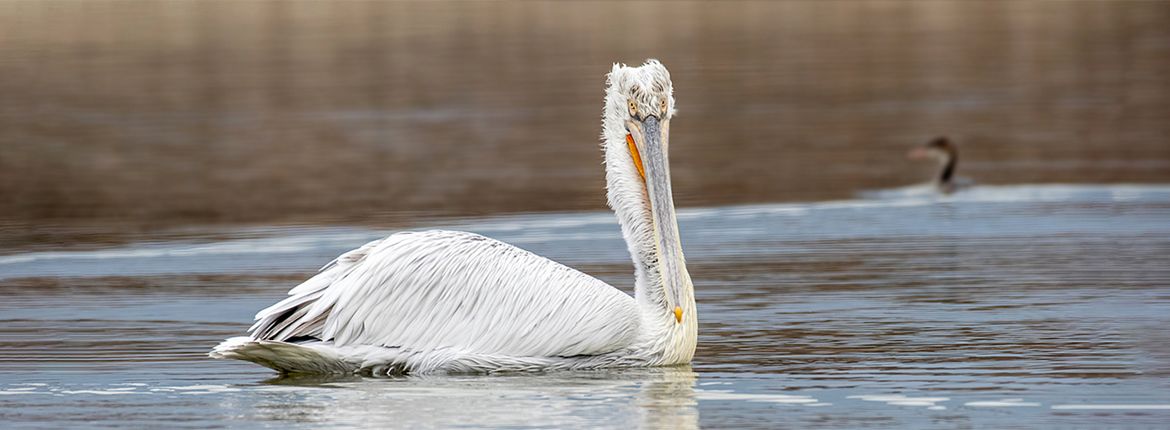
946	154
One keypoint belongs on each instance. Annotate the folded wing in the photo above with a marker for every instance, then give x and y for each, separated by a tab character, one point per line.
455	291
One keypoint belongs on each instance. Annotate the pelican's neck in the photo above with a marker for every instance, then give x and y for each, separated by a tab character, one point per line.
651	233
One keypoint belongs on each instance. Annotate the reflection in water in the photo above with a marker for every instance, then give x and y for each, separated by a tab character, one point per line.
643	398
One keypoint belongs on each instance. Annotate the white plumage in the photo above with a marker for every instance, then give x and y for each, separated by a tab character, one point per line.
442	301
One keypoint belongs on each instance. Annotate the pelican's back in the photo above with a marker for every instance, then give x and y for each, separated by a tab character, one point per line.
421	299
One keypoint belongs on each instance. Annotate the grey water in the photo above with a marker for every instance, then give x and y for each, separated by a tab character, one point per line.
1026	306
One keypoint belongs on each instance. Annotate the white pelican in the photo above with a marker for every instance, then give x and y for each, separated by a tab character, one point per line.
444	301
941	149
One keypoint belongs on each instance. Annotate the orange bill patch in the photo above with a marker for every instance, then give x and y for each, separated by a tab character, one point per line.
637	157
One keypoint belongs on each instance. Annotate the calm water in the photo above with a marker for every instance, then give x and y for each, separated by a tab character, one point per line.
1016	306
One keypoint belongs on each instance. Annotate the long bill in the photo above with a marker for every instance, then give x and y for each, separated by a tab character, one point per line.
651	138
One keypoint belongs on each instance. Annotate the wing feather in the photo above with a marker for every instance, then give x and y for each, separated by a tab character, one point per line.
442	290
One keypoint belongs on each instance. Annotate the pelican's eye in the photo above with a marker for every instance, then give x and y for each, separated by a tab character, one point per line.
663	108
633	109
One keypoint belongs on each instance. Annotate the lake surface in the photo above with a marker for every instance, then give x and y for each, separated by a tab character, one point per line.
1028	306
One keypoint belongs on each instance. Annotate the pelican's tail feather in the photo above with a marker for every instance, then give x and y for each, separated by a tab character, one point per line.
284	357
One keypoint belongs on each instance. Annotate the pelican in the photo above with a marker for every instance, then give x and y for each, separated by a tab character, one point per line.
456	302
947	155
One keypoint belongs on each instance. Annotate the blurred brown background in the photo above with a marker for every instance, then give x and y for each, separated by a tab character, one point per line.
118	117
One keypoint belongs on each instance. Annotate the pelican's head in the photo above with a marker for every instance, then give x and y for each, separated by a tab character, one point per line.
638	107
636	128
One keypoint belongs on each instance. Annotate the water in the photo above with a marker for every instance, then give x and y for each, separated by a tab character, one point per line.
1025	306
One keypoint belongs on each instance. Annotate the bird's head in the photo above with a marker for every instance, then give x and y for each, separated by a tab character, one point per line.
638	107
939	148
